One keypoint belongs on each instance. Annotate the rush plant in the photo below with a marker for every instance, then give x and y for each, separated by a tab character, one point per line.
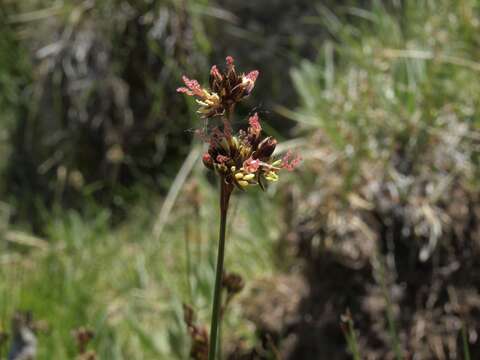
241	159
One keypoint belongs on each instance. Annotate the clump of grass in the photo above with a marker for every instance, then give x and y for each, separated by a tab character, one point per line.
87	93
132	298
392	130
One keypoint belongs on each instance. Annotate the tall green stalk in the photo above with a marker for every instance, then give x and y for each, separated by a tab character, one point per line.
466	351
225	192
188	267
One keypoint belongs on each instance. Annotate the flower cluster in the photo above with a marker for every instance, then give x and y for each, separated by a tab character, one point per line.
226	88
198	335
246	158
233	283
241	159
83	337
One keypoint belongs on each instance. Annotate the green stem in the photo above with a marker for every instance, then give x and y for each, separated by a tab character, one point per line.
225	192
188	262
220	337
390	314
466	351
352	340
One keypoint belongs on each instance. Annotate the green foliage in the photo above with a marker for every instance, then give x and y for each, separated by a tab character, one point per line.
390	116
125	285
102	114
387	83
14	76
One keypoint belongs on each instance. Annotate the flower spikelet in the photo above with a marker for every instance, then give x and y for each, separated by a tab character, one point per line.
226	89
245	159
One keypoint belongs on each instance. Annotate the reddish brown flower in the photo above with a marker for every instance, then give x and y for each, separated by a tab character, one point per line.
255	128
265	149
251	166
209	102
207	161
198	335
226	89
232	282
245	159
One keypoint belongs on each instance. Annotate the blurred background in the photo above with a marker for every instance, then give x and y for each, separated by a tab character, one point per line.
108	219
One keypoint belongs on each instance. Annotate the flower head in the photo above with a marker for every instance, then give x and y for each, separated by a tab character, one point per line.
209	102
226	88
233	283
245	158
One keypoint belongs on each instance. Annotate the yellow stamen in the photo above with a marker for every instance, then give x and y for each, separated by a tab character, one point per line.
243	183
238	176
199	102
249	177
271	176
277	163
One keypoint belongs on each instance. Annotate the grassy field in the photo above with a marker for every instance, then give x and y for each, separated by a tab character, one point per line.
127	283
